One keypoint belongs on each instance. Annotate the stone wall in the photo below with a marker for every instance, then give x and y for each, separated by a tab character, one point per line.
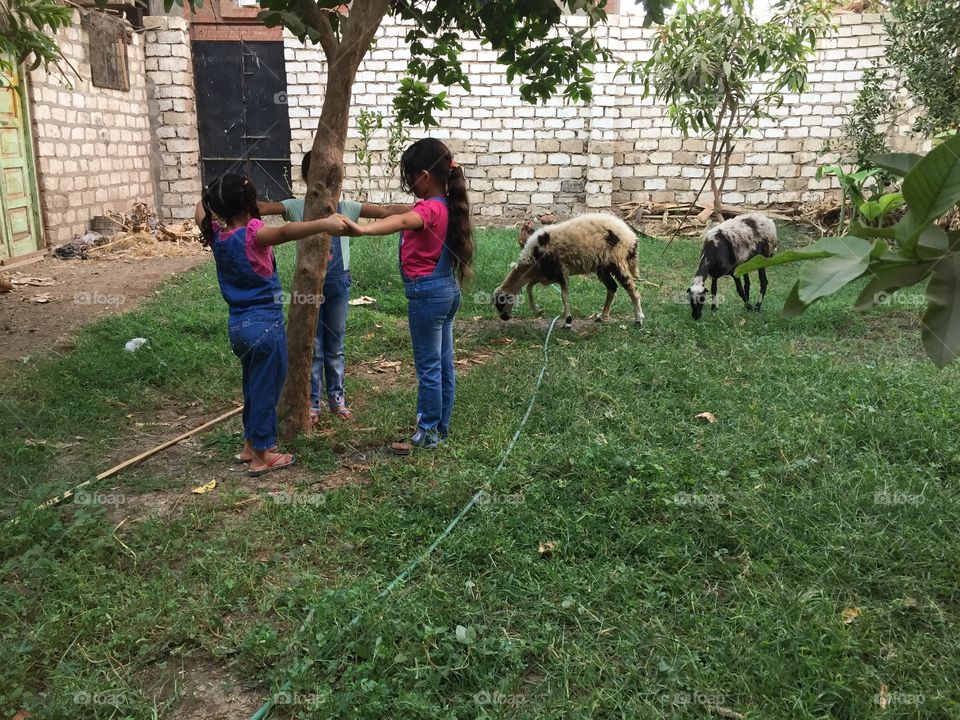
522	159
173	114
92	143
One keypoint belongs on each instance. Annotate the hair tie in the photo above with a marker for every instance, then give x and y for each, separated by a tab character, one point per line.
453	164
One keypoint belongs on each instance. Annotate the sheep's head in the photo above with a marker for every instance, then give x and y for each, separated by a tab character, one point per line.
503	302
697	295
526	229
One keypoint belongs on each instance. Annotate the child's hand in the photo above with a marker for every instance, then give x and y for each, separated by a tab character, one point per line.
334	225
351	229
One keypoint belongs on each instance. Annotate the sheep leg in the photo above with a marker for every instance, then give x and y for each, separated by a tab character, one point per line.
713	295
746	292
607	279
565	296
626	280
762	274
743	295
534	308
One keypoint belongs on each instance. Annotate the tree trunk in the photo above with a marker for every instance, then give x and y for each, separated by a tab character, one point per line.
323	191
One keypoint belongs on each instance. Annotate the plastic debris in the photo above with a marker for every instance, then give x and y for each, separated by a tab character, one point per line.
135	344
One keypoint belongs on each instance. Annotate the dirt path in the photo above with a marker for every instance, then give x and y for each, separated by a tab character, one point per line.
82	290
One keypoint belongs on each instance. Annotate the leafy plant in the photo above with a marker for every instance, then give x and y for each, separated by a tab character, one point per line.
875	211
866	130
852	188
27	28
368	122
922	252
708	62
924	44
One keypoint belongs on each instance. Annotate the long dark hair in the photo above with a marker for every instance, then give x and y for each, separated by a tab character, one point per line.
227	197
434	157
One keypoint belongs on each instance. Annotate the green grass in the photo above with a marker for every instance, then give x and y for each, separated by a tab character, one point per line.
694	563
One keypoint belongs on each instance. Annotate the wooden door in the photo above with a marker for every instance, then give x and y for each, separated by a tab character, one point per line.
20	232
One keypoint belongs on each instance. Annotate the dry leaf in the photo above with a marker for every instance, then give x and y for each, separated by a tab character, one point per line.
363	300
205	488
708	416
546	549
850	614
502	341
883	697
387	365
41	298
369	336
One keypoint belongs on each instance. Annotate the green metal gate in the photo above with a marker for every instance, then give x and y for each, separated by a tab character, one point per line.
20	229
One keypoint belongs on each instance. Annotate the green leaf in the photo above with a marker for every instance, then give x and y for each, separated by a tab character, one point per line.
827	276
898	164
932	243
862	231
933	186
888	280
793	305
941	322
822	248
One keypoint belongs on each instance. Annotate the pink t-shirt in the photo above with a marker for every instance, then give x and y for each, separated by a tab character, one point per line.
261	258
420	249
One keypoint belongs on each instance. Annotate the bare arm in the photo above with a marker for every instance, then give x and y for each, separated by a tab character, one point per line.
333	225
270	208
199	213
369	210
388	226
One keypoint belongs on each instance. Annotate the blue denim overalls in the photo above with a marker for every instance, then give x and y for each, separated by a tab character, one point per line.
256	333
328	359
433	301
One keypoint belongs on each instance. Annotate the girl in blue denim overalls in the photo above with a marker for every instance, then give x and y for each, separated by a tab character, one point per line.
247	274
436	251
329	364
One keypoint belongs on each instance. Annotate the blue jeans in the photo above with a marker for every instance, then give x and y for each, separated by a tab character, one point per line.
433	303
328	359
258	339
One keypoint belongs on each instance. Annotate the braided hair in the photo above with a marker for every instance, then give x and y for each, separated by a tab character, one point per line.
227	197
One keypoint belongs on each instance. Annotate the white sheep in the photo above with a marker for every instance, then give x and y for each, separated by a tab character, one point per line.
729	244
592	243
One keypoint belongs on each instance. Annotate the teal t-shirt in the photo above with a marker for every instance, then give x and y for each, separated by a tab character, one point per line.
339	251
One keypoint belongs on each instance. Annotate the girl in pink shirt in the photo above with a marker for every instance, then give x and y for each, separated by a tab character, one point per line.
436	252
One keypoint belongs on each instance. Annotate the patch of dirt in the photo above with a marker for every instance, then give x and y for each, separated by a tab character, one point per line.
82	290
207	691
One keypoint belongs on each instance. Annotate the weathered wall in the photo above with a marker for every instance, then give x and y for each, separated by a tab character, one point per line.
173	114
93	144
566	159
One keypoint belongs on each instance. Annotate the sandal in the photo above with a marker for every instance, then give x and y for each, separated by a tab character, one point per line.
239	459
277	463
422	440
342	412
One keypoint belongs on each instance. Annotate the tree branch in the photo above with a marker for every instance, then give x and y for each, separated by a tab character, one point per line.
319	20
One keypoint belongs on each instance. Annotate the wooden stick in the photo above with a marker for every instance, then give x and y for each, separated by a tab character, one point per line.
139	458
163	446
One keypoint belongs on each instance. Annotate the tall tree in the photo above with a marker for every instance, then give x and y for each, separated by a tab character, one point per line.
535	46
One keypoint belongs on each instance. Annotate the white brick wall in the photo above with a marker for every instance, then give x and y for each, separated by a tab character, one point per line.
92	143
522	159
173	113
